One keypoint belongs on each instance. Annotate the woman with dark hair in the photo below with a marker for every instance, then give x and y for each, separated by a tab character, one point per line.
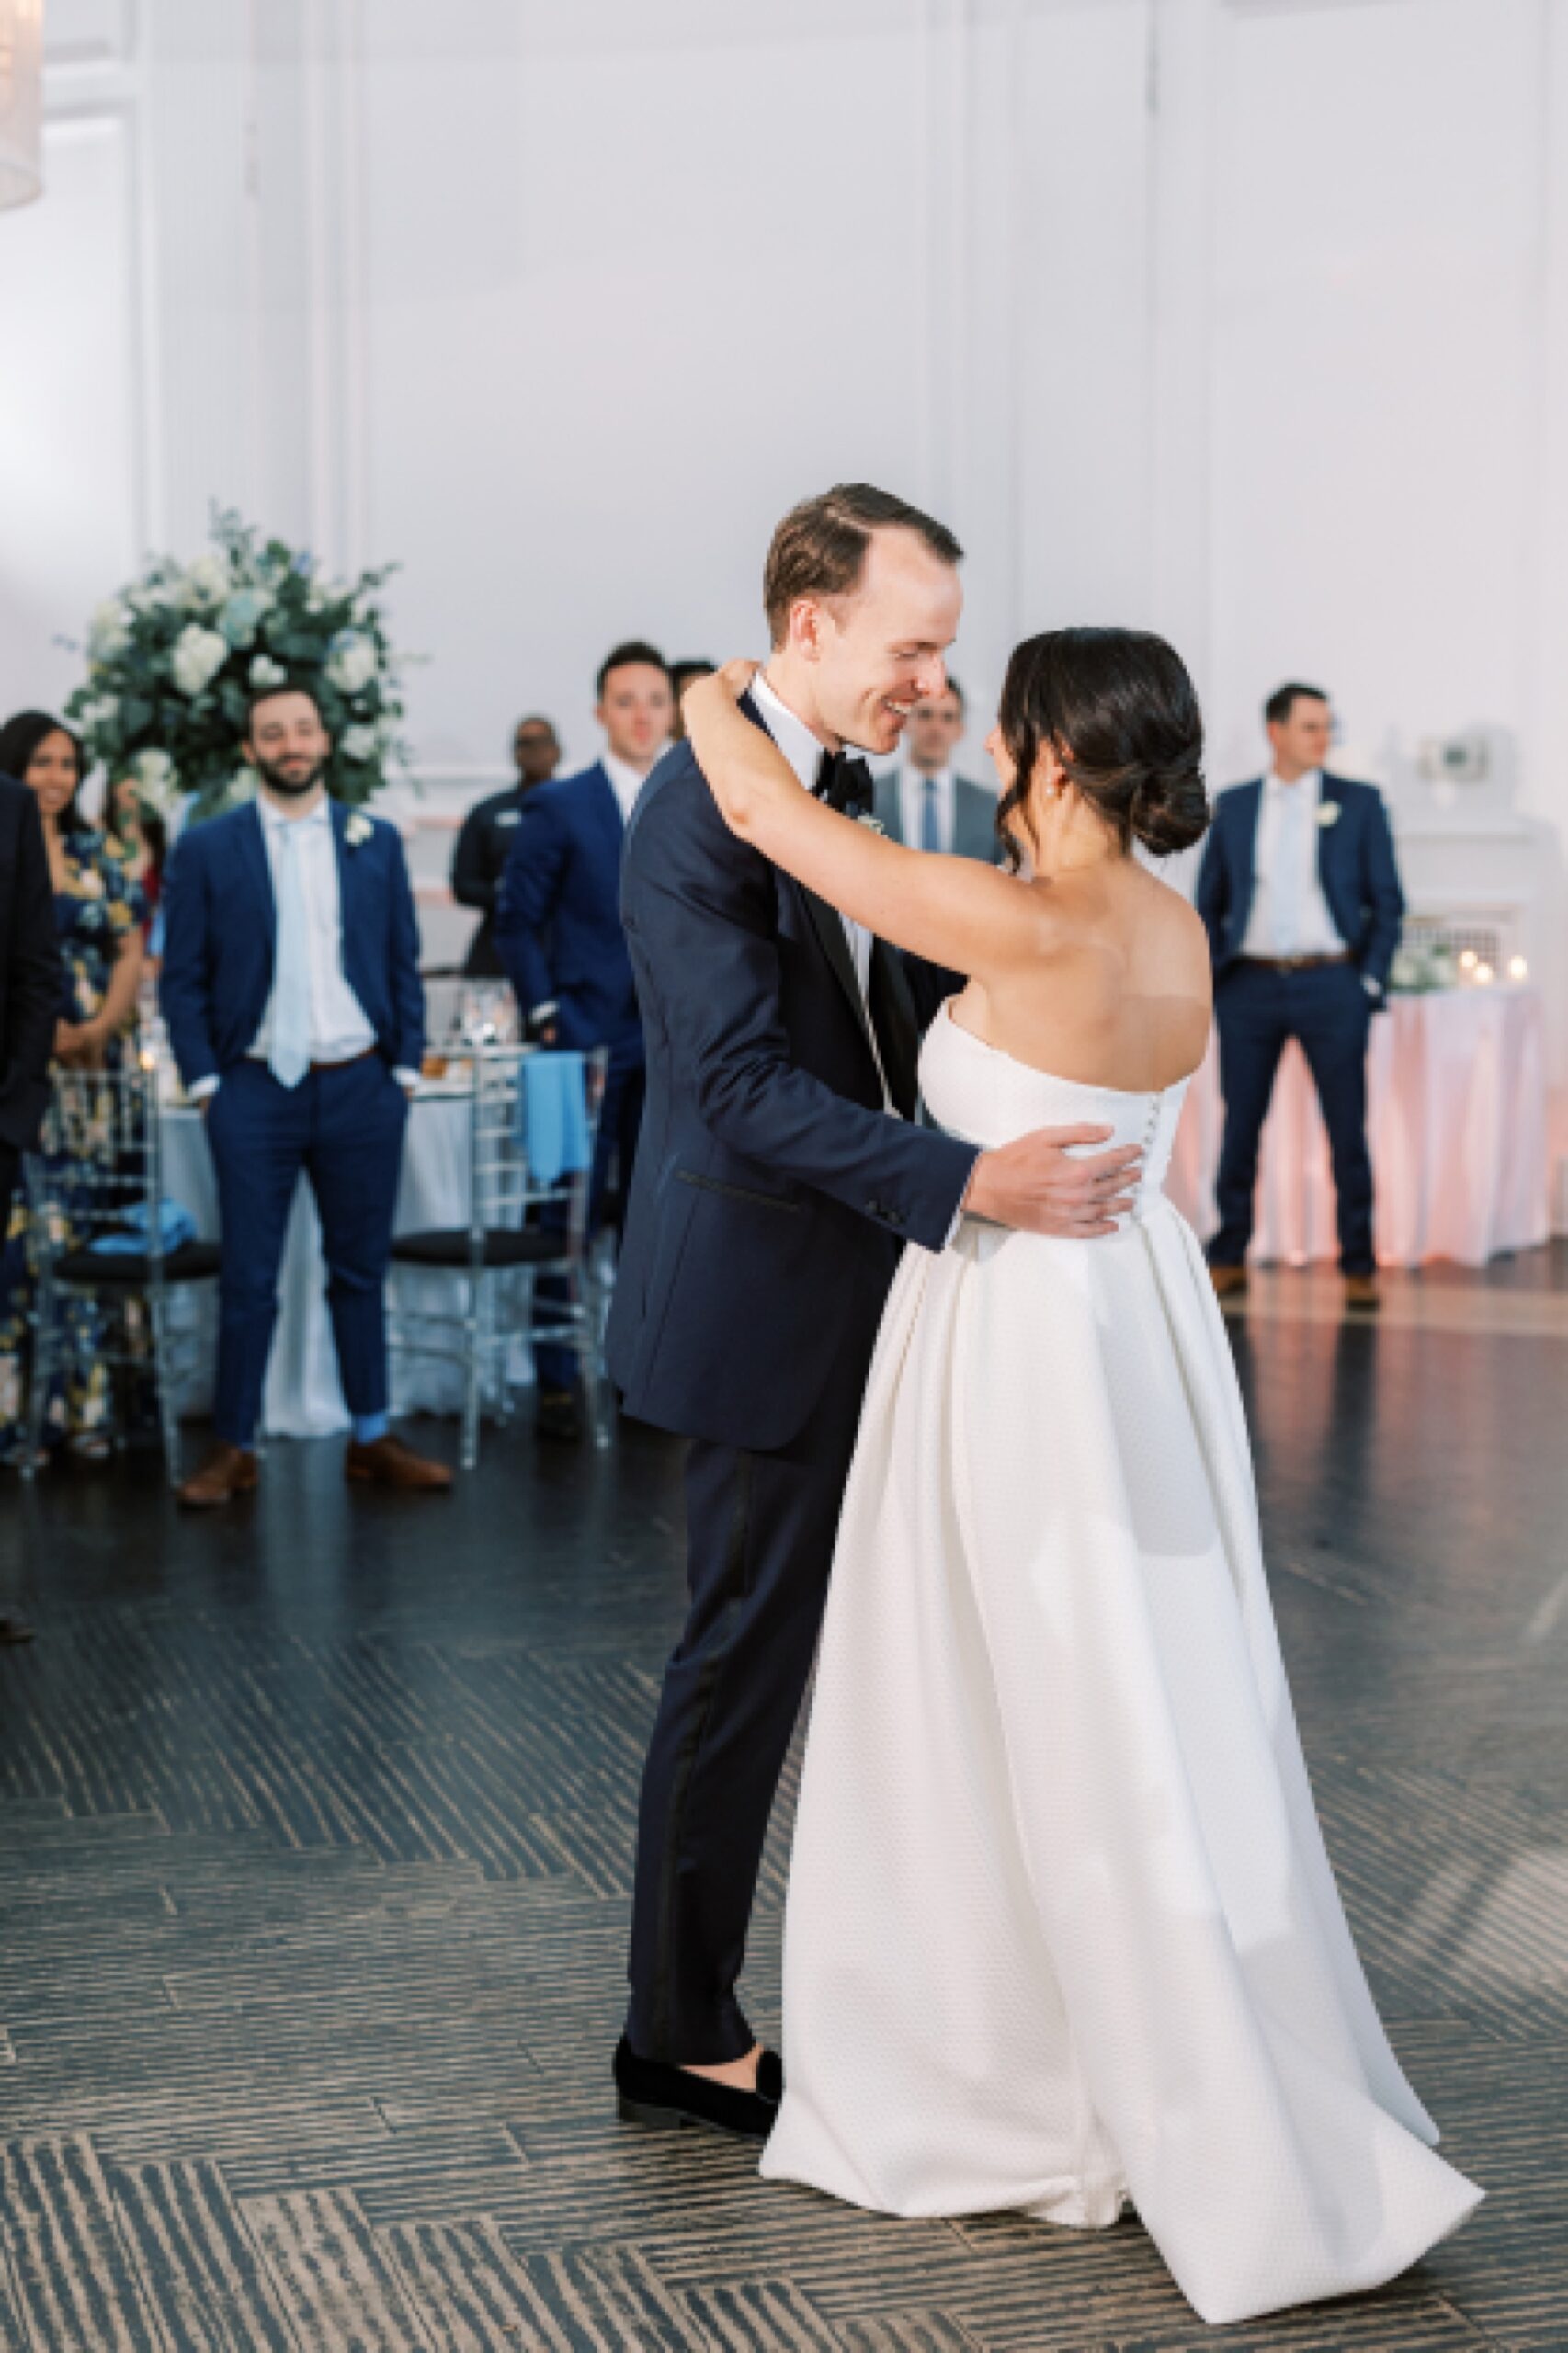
98	907
1063	1936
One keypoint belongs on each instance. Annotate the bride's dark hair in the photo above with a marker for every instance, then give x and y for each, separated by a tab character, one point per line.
1119	710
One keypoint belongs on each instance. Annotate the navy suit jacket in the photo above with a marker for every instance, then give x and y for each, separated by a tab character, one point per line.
220	928
1355	866
558	929
772	1192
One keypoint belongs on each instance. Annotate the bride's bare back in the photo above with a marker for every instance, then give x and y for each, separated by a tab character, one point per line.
1111	988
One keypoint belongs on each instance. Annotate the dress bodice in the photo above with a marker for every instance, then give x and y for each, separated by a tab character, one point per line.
977	1092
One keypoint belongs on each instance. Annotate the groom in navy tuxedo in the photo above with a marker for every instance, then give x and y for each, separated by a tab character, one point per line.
290	987
779	1176
1300	890
559	936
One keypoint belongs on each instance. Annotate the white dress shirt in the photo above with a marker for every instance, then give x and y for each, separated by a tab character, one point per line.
1289	915
340	1027
628	782
911	808
804	754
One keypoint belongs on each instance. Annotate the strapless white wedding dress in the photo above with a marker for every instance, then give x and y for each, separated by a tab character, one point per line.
1061	1931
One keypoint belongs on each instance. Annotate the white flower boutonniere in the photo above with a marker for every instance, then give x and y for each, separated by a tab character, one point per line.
872	824
1329	813
359	829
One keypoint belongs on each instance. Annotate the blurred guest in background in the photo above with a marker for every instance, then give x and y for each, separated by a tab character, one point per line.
135	834
291	990
681	677
926	803
31	984
98	911
486	837
1299	889
558	932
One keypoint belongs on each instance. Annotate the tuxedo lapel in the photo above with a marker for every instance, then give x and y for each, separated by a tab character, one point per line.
832	939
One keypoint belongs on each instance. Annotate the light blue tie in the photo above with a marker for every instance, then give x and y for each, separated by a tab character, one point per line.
288	1051
1285	881
930	824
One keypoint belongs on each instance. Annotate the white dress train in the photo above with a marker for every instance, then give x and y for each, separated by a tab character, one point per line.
1061	1931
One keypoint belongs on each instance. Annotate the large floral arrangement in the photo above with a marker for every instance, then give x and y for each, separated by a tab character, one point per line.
174	660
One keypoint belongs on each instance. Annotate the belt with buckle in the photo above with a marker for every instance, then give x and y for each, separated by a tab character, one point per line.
1296	964
348	1060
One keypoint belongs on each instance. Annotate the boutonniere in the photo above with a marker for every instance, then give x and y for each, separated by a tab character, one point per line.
359	829
872	824
1329	813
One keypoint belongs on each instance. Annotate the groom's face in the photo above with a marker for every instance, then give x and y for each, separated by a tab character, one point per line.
879	651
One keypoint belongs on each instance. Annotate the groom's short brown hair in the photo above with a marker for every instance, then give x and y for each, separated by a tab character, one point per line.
819	550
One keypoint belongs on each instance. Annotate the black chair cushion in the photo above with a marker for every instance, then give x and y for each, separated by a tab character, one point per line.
193	1262
528	1246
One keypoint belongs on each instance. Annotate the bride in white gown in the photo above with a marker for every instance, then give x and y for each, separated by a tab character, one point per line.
1062	1932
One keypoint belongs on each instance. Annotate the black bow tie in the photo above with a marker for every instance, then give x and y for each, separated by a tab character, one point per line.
845	783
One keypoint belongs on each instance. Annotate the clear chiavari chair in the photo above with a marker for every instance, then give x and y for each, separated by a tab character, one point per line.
518	1228
98	1178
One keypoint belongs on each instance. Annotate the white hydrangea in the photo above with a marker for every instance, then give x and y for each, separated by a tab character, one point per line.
352	662
155	774
208	581
101	712
360	742
198	655
109	632
266	672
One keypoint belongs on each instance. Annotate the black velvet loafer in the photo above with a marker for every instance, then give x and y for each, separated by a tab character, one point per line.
648	2092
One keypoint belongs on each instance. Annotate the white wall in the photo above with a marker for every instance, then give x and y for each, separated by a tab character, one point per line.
1244	319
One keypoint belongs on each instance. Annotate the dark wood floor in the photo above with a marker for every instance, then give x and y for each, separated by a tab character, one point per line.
315	1830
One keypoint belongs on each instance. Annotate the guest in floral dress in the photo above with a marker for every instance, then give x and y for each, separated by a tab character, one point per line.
100	908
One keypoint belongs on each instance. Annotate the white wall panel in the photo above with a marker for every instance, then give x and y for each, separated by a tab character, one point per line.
70	403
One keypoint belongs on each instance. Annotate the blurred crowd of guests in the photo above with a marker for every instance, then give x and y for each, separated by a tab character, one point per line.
285	936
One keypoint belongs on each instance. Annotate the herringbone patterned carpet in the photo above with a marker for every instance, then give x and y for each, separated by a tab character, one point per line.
315	1827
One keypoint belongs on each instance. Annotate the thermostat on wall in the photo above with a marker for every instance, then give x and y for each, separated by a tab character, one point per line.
1455	759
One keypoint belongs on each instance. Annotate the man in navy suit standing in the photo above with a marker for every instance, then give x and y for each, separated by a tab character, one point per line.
290	987
779	1177
1300	890
558	935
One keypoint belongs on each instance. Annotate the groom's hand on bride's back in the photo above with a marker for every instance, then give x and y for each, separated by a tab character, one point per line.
1038	1184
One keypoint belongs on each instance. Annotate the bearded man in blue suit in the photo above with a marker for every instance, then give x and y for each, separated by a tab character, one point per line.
1301	892
558	935
290	987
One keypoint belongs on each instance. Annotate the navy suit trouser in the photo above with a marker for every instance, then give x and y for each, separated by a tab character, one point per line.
620	1120
1258	1012
344	1130
760	1535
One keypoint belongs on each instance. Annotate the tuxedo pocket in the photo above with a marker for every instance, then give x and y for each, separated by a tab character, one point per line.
737	1192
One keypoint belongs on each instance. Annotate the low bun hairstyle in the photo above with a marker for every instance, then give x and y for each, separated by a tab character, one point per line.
1119	710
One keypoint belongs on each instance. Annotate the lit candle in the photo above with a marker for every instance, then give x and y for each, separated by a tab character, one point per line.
1484	975
1468	959
1517	969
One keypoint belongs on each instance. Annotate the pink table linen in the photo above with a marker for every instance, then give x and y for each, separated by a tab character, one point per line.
1457	1125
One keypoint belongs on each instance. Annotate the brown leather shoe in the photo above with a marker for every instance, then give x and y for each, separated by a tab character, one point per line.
228	1470
1361	1292
387	1462
1229	1281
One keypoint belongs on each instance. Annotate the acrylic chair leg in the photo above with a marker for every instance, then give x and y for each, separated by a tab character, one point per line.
164	1387
41	1373
473	1369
